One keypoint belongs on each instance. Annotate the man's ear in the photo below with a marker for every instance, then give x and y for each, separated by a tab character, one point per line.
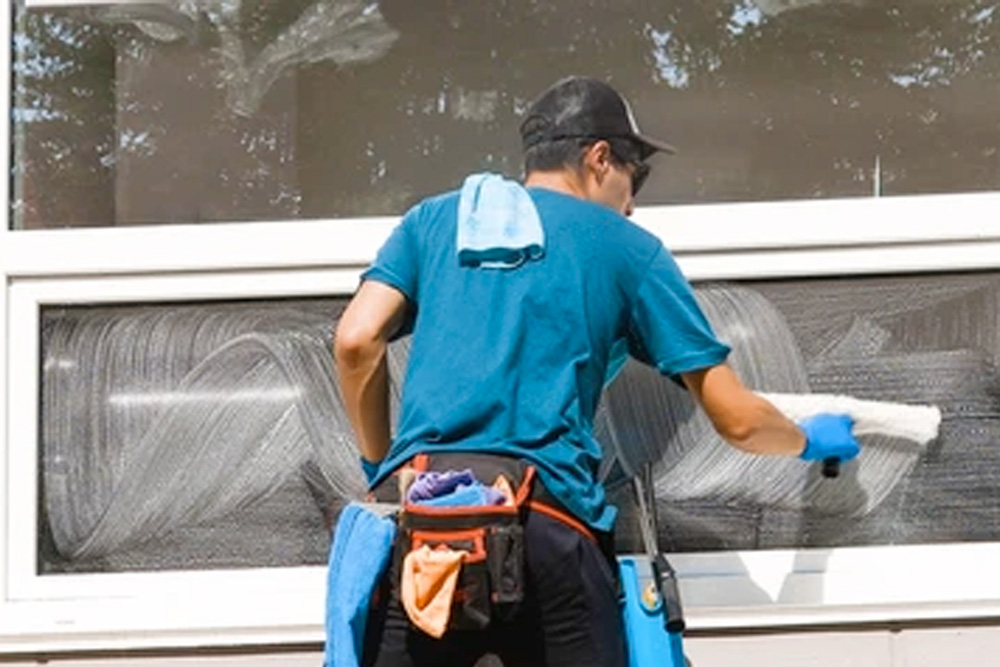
597	159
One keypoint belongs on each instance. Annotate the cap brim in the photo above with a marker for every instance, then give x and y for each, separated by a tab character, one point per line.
655	146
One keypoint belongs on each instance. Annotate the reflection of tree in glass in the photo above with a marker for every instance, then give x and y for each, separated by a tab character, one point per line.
342	33
767	100
160	58
227	110
951	38
836	90
61	115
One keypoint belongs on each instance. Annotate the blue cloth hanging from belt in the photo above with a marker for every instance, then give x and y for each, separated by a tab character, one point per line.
360	552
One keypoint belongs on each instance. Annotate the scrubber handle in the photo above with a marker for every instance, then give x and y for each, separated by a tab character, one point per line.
831	467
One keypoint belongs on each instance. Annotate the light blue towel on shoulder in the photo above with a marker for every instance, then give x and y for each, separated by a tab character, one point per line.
360	552
498	224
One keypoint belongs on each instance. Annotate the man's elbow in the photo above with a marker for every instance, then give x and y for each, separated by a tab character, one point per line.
742	426
737	432
355	345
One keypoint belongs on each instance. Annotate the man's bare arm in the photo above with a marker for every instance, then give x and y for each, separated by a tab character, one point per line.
741	417
360	345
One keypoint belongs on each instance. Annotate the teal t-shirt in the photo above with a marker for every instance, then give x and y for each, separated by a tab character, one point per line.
513	361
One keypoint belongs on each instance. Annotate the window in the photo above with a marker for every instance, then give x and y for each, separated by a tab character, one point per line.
192	436
922	293
165	112
911	339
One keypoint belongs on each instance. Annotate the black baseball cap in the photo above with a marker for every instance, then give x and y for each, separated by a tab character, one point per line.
586	108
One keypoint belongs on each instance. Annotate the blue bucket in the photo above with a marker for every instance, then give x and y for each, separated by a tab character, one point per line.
649	643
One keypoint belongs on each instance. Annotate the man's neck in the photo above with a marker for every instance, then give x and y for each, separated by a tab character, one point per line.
562	181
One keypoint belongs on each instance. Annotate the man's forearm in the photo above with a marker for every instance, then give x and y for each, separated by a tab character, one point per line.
743	419
364	384
771	431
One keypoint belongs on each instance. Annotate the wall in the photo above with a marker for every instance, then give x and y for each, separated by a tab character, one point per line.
972	646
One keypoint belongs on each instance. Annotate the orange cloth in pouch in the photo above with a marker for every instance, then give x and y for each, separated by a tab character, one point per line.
428	586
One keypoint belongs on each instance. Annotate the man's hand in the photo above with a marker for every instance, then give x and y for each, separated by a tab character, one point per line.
829	436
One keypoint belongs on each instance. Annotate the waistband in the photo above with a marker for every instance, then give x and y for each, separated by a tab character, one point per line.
485	467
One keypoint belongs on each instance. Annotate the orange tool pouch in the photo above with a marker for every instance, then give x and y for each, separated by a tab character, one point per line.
491	579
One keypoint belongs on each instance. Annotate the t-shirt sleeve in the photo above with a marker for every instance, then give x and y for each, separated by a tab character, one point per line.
396	264
668	329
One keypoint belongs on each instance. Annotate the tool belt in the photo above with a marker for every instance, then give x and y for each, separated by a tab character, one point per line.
491	577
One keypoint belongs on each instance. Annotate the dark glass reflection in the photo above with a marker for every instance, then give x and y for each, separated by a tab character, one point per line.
217	110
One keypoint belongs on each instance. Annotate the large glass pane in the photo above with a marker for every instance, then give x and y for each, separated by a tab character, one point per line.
930	341
190	436
210	110
212	434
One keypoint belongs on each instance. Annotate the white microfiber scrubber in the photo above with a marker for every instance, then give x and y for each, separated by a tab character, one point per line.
916	423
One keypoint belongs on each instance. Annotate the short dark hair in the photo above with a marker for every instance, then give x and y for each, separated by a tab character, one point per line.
568	153
558	154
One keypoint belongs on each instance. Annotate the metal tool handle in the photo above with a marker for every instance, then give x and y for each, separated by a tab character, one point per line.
666	582
663	573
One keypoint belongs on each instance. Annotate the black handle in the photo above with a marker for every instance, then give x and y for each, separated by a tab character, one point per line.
666	581
831	467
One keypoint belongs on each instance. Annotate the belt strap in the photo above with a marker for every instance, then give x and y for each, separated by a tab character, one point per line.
560	515
483	466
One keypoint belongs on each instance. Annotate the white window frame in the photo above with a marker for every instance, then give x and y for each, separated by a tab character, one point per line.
727	590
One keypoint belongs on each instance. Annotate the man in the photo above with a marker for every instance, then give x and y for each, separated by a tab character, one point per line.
510	361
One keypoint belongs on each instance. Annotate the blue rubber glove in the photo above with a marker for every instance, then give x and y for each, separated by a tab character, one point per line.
828	436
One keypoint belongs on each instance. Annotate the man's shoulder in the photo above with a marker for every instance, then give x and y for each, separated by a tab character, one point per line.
438	203
606	224
432	212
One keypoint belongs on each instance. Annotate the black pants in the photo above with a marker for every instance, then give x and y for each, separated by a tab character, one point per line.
571	614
